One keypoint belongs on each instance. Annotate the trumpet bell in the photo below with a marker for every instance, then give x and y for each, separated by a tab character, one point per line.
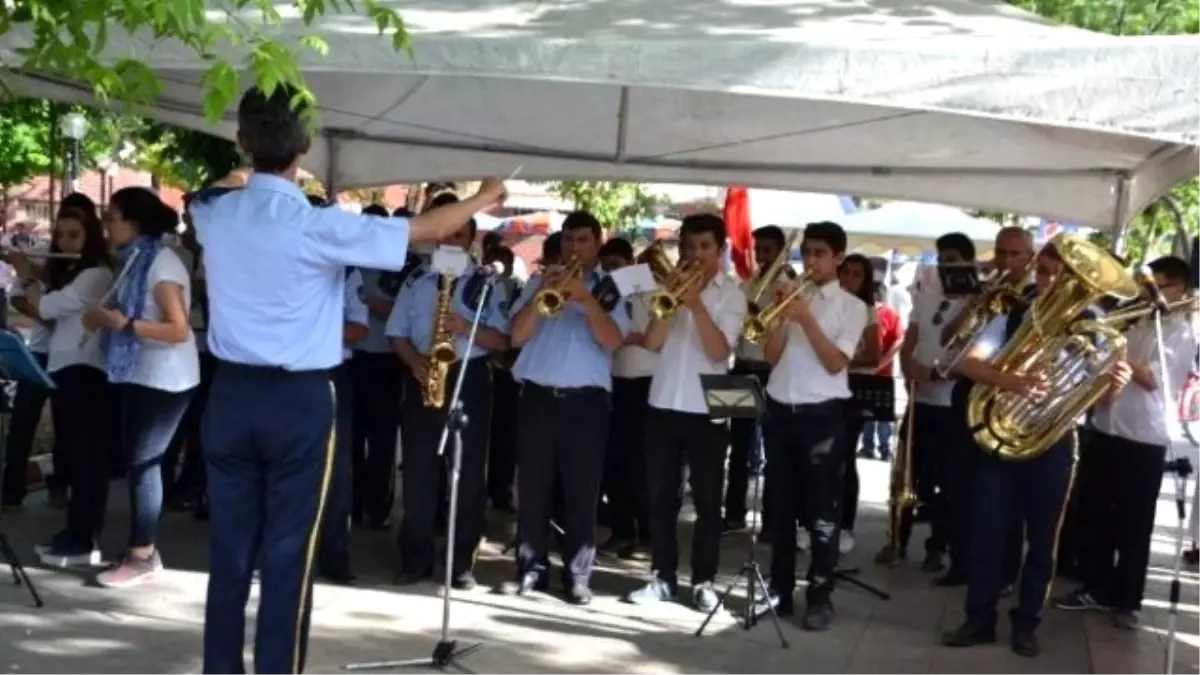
664	306
549	303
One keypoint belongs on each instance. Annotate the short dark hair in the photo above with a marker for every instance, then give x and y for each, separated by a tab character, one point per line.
402	212
376	210
957	242
578	220
618	247
442	199
771	233
552	247
314	200
1172	267
829	232
492	240
270	129
866	292
141	206
504	256
699	223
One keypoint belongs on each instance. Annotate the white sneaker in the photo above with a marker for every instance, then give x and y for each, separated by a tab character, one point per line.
846	542
802	541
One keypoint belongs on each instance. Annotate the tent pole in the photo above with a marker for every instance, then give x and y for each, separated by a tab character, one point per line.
1120	225
333	145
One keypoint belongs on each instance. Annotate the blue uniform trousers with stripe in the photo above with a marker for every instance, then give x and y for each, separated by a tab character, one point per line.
269	449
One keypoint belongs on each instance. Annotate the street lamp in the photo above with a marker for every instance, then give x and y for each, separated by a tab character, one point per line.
108	168
74	126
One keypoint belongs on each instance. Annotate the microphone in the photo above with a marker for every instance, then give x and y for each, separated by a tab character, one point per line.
1145	277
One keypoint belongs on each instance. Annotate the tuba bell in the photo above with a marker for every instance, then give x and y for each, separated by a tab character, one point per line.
757	326
1073	354
441	351
551	299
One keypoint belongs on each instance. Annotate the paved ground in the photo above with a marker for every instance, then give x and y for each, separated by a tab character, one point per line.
158	628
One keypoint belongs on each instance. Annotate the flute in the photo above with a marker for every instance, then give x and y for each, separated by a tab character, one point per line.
44	255
112	290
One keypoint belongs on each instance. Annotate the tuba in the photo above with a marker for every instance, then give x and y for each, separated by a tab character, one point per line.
757	326
665	302
441	351
1073	354
1000	298
551	299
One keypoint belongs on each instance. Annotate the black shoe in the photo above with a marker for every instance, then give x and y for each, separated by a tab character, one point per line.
525	584
340	575
969	634
1192	557
932	564
818	617
464	581
407	578
950	579
1025	643
579	594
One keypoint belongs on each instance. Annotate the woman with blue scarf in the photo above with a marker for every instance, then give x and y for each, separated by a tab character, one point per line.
151	359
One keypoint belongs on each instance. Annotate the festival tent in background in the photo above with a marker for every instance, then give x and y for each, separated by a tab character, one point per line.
909	229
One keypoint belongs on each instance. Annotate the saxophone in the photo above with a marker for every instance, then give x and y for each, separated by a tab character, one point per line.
441	351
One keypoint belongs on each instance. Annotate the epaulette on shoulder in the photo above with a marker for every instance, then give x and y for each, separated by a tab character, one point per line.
206	195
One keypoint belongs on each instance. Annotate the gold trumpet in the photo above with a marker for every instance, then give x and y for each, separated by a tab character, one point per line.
757	326
665	302
551	298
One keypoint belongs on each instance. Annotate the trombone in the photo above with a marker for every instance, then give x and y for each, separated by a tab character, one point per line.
770	275
551	298
1124	317
757	326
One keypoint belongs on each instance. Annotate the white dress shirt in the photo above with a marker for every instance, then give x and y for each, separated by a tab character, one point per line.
799	377
65	307
931	312
634	361
681	361
1135	413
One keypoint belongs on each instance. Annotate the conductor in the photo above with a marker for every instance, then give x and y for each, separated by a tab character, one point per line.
276	279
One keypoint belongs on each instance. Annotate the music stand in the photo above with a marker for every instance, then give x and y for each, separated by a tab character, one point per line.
740	396
17	365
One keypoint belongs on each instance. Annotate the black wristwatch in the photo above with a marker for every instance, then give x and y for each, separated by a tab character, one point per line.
128	327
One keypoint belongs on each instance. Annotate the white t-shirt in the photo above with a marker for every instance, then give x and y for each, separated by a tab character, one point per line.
632	361
931	312
167	366
68	344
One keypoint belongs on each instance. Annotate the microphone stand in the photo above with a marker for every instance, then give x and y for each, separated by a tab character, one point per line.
1180	468
447	652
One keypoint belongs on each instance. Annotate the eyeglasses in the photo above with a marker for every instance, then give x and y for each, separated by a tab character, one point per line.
939	316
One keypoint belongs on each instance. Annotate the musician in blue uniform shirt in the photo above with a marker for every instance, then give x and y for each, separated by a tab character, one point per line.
276	285
565	368
1033	490
413	328
335	533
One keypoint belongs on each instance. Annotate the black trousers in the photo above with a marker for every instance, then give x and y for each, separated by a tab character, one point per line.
22	430
1032	493
82	429
675	440
424	470
1119	483
561	435
805	461
378	386
744	447
625	483
502	446
932	442
852	419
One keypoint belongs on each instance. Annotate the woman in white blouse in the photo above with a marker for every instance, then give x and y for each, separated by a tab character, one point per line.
151	358
78	404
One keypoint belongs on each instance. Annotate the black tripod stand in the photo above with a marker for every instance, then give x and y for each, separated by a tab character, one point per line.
447	652
15	358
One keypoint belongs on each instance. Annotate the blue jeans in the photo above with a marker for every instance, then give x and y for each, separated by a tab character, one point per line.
874	432
149	418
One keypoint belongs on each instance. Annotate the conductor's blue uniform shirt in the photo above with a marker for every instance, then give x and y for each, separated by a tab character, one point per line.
412	315
562	352
275	269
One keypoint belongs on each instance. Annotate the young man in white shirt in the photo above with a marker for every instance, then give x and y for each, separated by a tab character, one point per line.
932	413
1121	472
699	339
809	353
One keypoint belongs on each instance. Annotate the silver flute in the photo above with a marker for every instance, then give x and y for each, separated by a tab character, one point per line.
112	290
44	255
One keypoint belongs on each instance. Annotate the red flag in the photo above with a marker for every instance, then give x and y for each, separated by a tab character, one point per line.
737	227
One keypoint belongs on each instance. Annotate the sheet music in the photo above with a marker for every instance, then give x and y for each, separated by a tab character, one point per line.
634	279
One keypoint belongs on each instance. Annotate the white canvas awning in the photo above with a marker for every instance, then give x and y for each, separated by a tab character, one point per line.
911	229
966	102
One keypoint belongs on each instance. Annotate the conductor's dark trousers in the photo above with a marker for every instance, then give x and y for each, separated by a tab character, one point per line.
335	535
269	449
424	470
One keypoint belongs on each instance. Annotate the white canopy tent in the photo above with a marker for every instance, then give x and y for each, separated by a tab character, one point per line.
967	102
910	229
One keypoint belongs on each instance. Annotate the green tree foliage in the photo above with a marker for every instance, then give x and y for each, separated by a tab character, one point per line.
1151	233
618	206
68	39
31	146
184	158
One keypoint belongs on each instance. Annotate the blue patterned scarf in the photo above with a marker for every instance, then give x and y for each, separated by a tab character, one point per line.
122	348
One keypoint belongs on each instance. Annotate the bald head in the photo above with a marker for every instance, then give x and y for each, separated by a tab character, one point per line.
1013	250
